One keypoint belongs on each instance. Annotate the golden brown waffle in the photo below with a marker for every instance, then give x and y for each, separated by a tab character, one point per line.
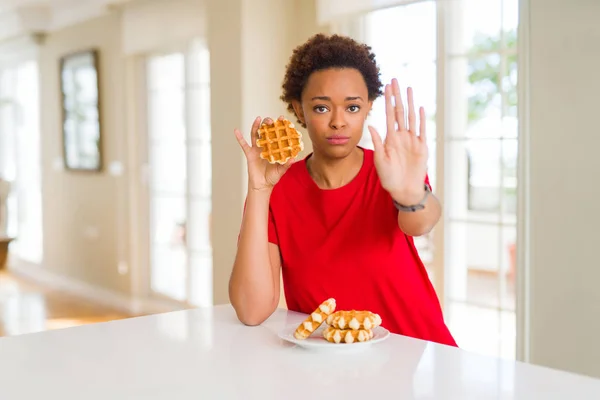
353	319
314	320
279	141
348	336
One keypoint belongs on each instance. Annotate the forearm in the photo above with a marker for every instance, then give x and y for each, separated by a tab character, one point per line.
420	222
251	289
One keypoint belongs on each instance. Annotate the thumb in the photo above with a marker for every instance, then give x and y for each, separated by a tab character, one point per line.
283	168
289	163
377	143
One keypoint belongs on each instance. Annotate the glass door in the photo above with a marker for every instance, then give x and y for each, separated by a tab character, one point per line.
179	179
481	141
411	58
461	59
20	161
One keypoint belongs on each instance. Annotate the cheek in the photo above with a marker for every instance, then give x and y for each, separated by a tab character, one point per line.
317	122
357	120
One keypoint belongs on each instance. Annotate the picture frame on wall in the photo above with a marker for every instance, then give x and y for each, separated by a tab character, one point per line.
81	116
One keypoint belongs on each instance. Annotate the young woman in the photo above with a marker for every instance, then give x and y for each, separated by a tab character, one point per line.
340	222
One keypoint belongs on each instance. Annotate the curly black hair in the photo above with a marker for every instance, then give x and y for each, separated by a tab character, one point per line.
323	52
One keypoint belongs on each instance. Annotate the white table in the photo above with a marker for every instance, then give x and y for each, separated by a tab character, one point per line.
208	354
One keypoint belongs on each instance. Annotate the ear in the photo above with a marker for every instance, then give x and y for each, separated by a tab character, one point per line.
298	110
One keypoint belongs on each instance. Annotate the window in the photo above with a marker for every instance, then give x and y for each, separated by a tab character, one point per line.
480	150
20	162
412	62
472	128
179	137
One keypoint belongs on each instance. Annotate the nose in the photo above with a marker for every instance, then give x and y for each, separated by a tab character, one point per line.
337	120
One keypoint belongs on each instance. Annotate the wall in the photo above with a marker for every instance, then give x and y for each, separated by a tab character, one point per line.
85	229
248	63
564	138
180	19
90	219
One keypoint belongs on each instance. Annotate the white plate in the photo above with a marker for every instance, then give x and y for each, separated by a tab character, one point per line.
317	341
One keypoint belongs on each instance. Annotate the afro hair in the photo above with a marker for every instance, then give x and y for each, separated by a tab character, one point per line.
322	52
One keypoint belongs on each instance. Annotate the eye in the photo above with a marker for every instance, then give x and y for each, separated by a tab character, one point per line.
354	109
320	109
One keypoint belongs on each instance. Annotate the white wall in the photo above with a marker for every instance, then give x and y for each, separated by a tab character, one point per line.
248	61
564	90
83	214
180	19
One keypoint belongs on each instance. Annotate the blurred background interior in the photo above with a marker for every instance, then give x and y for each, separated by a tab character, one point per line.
121	183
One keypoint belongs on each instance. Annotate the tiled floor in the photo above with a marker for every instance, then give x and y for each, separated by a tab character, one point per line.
28	308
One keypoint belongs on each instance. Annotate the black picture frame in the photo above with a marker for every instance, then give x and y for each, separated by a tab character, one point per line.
81	111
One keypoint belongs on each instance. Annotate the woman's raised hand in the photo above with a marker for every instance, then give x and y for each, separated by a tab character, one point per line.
401	160
262	175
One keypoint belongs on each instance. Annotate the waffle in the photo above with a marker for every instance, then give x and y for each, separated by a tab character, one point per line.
348	336
279	141
353	319
314	320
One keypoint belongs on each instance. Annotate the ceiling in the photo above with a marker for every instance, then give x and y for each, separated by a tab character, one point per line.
21	17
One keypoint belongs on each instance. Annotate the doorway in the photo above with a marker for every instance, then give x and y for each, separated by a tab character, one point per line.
179	174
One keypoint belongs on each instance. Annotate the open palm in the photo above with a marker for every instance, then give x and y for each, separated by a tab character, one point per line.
401	160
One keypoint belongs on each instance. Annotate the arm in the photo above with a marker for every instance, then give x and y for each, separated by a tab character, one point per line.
401	163
254	281
421	222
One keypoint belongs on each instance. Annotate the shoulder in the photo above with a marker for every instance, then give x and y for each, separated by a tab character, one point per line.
292	182
369	167
294	175
369	157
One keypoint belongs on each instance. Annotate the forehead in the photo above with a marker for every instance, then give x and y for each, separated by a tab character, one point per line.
336	83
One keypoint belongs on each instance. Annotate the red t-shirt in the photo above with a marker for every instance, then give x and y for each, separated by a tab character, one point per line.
345	243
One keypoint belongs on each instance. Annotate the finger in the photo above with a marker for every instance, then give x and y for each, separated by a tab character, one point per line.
281	118
281	169
377	143
422	129
254	130
389	112
411	112
267	120
289	163
243	144
399	106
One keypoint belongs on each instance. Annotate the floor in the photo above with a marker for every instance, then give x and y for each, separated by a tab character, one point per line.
484	322
27	308
482	327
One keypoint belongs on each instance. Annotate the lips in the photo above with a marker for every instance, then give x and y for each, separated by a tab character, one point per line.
338	139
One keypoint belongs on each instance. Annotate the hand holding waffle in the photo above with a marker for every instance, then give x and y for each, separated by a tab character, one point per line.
275	144
345	326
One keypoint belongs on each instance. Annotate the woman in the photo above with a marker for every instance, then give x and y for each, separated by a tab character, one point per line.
340	222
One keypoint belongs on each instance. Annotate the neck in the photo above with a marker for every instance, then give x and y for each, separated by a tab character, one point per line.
334	173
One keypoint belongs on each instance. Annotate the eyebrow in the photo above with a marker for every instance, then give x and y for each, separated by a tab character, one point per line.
326	98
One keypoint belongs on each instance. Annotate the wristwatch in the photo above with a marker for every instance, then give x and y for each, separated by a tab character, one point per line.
414	207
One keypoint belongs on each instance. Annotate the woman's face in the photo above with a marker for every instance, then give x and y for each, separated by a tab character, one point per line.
335	104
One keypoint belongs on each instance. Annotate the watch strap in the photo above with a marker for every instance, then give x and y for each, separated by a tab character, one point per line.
414	207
